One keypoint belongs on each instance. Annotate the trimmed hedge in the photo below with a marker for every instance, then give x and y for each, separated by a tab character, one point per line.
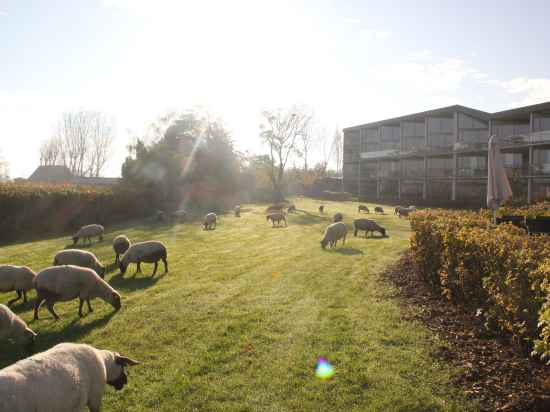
501	270
37	209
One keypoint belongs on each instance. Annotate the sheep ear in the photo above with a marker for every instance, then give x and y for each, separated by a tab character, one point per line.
123	361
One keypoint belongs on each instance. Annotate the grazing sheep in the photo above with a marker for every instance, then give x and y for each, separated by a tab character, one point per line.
180	214
338	217
379	209
322	209
276	217
87	232
68	282
291	209
149	252
13	328
368	226
17	278
405	211
237	210
120	245
363	208
396	210
81	258
333	233
210	221
66	378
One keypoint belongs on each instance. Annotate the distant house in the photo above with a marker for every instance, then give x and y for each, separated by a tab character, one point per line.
62	174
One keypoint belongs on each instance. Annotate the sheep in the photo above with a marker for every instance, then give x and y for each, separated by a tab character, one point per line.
333	233
368	226
363	208
396	210
322	209
81	258
210	221
149	252
87	232
405	211
68	282
17	278
120	245
68	377
237	210
180	214
338	217
276	217
379	209
13	328
291	209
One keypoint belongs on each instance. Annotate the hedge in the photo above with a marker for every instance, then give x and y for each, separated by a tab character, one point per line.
37	209
501	270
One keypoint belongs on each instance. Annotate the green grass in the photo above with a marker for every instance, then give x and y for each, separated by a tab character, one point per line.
245	311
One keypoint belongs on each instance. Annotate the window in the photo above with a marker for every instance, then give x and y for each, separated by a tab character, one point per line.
468	122
541	122
370	141
440	166
474	166
412	190
510	129
471	191
390	137
389	168
413	168
439	190
541	161
473	136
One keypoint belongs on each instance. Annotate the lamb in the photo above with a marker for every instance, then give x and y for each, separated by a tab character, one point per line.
291	209
68	282
237	210
338	217
322	209
276	217
149	252
368	226
87	232
68	377
17	278
81	258
363	208
13	328
120	245
333	234
379	209
210	221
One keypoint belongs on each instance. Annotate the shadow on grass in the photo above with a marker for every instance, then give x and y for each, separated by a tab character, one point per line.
372	237
111	267
309	219
133	282
22	306
348	251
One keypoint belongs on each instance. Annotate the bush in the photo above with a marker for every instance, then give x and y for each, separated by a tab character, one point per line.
477	265
28	209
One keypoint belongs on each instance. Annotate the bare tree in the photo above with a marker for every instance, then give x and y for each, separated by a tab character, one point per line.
338	149
305	140
280	131
4	169
325	148
82	142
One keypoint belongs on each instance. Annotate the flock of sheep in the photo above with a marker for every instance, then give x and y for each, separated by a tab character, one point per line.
71	376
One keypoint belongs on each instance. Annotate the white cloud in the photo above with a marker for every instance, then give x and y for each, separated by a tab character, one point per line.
3	13
531	91
375	34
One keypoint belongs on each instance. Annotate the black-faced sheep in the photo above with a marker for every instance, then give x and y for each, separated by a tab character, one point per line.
120	245
13	328
210	221
363	208
333	233
68	282
79	257
151	251
338	217
66	378
379	209
368	226
276	217
18	279
89	231
322	209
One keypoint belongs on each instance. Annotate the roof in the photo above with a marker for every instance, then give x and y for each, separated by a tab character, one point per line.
52	174
522	111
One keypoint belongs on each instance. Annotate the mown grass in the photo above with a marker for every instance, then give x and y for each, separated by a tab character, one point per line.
239	321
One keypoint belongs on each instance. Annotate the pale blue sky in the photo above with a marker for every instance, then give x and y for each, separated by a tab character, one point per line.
353	62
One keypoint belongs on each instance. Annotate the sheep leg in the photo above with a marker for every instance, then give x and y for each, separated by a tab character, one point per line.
116	259
49	305
39	300
165	261
90	310
355	232
138	270
80	304
155	269
101	238
25	296
344	240
17	298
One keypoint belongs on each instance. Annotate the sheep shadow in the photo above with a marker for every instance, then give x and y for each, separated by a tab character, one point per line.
348	251
279	227
111	267
309	219
132	282
21	306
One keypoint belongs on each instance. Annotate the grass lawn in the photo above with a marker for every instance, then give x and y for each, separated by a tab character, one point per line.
244	313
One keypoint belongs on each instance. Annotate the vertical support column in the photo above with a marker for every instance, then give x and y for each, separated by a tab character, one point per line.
425	185
359	165
378	179
529	177
455	157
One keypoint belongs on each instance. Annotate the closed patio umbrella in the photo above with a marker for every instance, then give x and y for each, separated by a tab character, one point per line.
498	186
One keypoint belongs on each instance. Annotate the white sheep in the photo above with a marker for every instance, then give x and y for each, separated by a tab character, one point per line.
66	378
81	258
120	245
333	233
17	278
13	328
68	282
149	252
210	221
89	231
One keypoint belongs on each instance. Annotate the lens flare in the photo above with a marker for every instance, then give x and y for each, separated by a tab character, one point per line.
324	369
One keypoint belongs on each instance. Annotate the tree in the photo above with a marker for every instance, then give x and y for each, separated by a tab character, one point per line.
280	131
326	148
306	140
338	150
82	142
4	169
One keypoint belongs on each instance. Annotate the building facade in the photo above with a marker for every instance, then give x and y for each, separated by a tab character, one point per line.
440	156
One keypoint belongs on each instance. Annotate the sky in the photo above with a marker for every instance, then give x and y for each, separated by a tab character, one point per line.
351	62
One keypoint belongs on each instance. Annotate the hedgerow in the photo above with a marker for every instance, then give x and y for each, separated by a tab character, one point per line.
499	269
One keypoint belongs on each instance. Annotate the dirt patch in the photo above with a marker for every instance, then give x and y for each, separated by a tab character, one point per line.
490	369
